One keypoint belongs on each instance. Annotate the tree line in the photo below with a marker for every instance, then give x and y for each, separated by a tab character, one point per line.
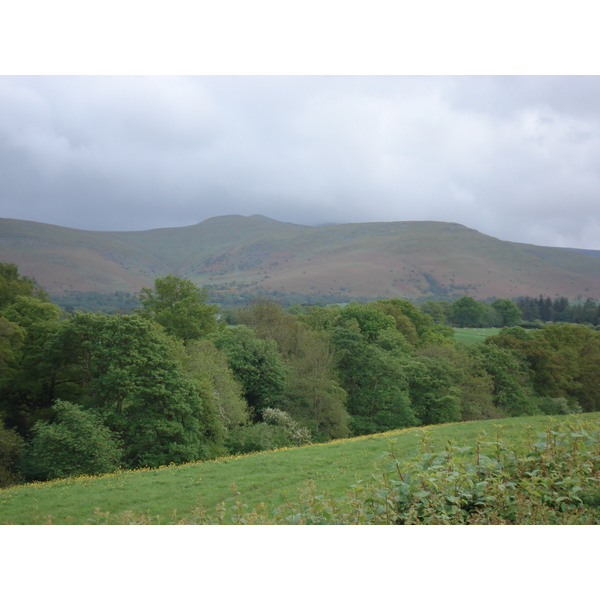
176	381
525	311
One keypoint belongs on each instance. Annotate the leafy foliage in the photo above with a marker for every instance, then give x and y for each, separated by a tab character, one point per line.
13	285
378	396
180	307
204	362
255	363
11	447
122	366
77	443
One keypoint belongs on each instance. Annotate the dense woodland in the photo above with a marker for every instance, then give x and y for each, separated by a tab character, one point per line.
179	380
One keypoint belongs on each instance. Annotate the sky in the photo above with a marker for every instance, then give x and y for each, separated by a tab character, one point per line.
133	117
516	157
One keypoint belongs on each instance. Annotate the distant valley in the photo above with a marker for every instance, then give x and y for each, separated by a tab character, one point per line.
258	255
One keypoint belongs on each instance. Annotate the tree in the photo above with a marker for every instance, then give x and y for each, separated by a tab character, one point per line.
434	395
378	398
12	285
320	318
255	363
180	307
11	339
462	377
76	443
11	447
404	309
467	312
563	361
440	311
576	349
313	393
513	391
508	312
204	362
370	319
26	387
268	320
124	367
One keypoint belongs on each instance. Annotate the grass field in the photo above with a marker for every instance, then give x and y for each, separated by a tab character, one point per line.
473	335
259	478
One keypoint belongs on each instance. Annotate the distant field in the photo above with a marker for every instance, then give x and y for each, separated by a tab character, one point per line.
174	492
473	335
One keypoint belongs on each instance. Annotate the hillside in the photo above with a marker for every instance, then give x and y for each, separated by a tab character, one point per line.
260	255
170	493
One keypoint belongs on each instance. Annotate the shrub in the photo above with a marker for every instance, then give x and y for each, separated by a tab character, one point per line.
77	443
278	430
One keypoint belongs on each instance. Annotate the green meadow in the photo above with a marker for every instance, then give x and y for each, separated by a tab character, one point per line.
474	335
168	494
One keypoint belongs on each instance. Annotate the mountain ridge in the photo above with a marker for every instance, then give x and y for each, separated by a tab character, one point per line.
410	259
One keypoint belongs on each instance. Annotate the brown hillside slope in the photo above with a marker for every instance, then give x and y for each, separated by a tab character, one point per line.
369	260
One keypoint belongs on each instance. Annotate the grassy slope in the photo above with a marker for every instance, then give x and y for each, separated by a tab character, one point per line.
473	335
259	478
371	260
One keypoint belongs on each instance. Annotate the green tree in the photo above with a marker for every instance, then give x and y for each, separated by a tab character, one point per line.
11	447
76	443
11	339
204	362
467	312
513	390
433	392
440	311
12	285
576	364
180	307
26	386
269	321
508	313
255	363
463	376
402	309
320	318
368	319
378	398
313	393
125	367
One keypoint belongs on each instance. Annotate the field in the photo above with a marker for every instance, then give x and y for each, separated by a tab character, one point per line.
473	335
171	493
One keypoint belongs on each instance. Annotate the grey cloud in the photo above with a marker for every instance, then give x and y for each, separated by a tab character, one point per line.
515	157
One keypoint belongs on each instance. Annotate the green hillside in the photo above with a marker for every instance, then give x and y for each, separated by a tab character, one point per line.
473	335
173	493
260	255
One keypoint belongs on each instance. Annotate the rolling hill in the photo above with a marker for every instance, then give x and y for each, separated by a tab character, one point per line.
414	259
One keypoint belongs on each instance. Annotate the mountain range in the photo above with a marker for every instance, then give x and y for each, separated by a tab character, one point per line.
412	259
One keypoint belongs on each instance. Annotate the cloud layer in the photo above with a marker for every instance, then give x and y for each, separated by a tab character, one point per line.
514	157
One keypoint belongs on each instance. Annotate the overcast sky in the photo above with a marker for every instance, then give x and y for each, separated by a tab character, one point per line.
513	157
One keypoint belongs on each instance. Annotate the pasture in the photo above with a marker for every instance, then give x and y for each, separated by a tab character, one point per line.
474	335
168	494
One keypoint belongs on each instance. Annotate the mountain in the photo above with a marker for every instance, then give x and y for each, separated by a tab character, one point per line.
412	259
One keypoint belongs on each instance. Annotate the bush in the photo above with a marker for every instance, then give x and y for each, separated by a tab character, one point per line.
78	443
278	430
557	406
